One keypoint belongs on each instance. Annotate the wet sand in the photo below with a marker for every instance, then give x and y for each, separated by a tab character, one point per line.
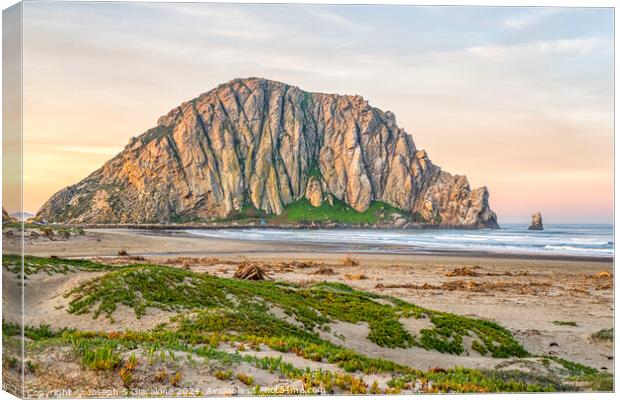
158	243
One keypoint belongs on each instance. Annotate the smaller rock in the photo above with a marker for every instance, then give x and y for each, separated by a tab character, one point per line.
314	193
399	222
429	210
537	224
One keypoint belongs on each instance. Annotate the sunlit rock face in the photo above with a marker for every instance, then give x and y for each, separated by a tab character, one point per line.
537	224
255	142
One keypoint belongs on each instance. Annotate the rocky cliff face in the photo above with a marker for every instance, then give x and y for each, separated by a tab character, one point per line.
260	143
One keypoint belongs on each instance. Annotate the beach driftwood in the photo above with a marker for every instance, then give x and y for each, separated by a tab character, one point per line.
324	270
252	272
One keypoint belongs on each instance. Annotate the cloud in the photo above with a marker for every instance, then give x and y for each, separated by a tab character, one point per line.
529	19
341	21
576	45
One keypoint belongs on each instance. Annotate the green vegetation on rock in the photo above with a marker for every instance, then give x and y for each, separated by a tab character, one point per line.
340	212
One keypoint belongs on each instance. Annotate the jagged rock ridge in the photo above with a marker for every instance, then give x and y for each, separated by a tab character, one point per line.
267	144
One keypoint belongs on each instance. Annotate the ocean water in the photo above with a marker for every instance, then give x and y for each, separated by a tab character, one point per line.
568	240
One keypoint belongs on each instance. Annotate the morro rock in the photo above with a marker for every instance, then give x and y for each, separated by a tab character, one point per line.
537	224
265	144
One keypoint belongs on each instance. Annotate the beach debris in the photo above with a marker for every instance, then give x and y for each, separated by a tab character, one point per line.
479	287
304	264
355	277
324	270
554	344
464	271
471	271
537	224
602	275
284	266
281	266
604	286
603	280
191	261
123	253
251	271
350	261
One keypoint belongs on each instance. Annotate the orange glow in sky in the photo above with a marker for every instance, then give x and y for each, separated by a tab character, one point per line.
516	99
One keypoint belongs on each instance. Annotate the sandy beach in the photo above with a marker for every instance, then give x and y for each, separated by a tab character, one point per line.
524	294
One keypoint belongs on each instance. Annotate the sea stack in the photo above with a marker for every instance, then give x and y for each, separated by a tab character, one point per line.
537	224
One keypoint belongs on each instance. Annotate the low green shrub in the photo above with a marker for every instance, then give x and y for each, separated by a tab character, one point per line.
564	323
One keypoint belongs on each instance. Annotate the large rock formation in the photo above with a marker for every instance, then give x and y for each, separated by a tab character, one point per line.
267	144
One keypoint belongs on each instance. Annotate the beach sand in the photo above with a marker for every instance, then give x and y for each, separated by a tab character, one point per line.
524	294
551	305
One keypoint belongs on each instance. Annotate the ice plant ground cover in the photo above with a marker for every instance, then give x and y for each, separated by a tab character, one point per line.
226	324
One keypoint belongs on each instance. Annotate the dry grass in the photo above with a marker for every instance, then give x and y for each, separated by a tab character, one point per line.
161	375
472	271
245	378
191	261
472	286
175	379
223	375
355	277
350	261
126	371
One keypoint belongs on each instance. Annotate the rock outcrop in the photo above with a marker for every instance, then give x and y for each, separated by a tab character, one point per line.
537	224
6	217
314	192
265	144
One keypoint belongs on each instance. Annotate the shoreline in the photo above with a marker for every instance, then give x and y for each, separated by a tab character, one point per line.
283	247
413	226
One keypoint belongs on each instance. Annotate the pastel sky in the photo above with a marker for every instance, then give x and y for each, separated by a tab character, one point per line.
517	99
